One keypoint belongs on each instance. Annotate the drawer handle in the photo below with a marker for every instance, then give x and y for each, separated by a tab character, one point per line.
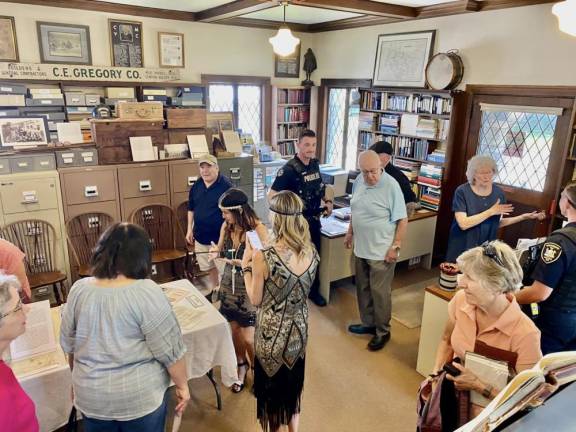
29	197
7	184
44	163
145	185
235	174
192	180
91	191
22	164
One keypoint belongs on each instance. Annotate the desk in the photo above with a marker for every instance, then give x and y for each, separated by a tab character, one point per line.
434	317
209	344
337	262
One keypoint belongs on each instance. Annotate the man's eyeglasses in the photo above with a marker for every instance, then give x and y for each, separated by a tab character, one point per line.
18	308
375	171
490	251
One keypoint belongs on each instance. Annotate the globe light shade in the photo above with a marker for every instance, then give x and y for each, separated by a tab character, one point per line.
566	14
284	43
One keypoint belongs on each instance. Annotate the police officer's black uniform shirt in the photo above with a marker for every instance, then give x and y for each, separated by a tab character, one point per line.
403	181
287	178
558	257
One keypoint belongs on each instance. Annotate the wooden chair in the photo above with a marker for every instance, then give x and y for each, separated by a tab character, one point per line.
83	232
163	227
37	239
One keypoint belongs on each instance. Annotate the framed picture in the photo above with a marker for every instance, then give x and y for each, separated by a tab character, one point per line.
217	121
171	50
287	66
24	132
401	59
64	43
8	43
126	43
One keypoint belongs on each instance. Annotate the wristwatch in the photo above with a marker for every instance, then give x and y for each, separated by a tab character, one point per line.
487	391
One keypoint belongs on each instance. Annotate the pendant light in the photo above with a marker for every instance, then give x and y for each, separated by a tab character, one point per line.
566	14
284	43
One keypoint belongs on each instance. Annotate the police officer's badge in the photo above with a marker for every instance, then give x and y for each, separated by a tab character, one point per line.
550	252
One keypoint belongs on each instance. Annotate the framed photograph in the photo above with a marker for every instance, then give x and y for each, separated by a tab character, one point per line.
401	59
226	125
8	43
24	132
171	50
64	43
288	66
126	43
217	121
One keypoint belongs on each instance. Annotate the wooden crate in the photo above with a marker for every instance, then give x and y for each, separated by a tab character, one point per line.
140	110
112	138
178	136
186	118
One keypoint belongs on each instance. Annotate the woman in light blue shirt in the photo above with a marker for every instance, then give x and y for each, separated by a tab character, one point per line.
123	340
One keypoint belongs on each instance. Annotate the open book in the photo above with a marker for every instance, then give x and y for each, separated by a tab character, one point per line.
529	389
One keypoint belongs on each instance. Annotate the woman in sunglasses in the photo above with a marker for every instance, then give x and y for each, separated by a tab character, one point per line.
17	412
485	310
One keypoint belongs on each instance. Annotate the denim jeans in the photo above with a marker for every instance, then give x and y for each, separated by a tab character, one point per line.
558	330
153	422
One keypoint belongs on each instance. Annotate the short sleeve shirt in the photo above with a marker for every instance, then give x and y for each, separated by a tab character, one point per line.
203	202
375	213
558	257
467	201
512	331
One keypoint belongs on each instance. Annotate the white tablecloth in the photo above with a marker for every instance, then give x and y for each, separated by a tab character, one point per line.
209	343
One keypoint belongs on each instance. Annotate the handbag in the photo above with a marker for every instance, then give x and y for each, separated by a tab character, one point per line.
72	425
428	408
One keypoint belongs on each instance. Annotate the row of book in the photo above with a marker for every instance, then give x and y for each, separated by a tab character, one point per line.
437	155
366	139
406	124
409	168
390	123
414	103
293	96
411	147
287	148
289	131
367	120
293	114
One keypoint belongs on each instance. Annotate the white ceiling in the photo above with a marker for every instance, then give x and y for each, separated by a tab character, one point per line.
179	5
300	14
414	2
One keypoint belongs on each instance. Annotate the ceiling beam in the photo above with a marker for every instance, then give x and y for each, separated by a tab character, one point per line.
264	24
103	6
234	9
348	23
361	6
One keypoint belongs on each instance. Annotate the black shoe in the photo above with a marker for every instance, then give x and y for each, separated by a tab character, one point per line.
378	342
317	299
360	329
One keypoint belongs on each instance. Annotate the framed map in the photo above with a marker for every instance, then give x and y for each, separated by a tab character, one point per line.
8	44
401	59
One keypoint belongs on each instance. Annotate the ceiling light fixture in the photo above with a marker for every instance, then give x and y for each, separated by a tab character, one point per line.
284	43
566	14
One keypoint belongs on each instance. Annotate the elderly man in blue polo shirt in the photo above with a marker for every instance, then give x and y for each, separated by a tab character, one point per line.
204	215
376	231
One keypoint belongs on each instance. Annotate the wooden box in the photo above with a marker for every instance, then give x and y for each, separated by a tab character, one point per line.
182	118
179	136
140	110
112	138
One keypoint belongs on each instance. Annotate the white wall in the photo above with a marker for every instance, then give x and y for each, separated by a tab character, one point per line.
517	46
210	48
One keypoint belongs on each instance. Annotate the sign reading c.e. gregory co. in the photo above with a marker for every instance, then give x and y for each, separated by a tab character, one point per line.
63	72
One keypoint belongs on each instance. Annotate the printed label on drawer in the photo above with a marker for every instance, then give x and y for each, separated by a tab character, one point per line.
22	164
88	158
68	160
44	163
29	197
6	89
3	114
87	154
46	102
68	155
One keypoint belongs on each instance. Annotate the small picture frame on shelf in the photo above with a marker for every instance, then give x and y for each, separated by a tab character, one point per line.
8	42
287	66
214	120
23	132
401	59
64	43
126	43
171	50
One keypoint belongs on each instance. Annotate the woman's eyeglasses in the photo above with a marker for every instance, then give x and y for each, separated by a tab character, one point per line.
490	251
18	308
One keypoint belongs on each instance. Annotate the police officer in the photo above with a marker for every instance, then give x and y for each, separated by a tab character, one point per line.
301	175
554	284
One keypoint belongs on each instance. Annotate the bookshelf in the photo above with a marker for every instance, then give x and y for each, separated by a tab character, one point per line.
293	110
568	175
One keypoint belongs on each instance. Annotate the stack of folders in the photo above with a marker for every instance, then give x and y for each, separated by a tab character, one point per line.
11	96
154	94
190	96
45	97
527	390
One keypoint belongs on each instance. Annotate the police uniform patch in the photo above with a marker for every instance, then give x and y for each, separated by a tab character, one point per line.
550	252
280	172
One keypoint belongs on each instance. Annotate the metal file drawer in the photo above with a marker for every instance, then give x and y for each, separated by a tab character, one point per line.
131	204
41	162
25	195
183	175
239	170
4	166
109	207
77	157
89	185
143	180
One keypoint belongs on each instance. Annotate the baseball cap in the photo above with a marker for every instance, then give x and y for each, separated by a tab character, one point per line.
208	158
382	147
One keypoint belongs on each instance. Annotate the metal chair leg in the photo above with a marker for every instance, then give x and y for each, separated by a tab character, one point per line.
210	376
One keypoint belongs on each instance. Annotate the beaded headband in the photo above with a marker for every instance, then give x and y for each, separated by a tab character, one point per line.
285	214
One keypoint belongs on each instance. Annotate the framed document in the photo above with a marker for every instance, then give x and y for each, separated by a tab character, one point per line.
64	43
401	59
171	50
8	43
24	132
126	43
287	66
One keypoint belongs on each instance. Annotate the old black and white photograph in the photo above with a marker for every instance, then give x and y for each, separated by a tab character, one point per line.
126	43
23	132
64	43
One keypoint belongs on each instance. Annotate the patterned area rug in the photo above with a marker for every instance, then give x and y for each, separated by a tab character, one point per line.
408	303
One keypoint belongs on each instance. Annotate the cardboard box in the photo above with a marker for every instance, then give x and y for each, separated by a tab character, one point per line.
120	92
92	99
75	99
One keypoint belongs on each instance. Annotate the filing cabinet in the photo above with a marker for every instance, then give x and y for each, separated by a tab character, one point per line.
76	157
27	163
183	174
240	171
141	184
36	195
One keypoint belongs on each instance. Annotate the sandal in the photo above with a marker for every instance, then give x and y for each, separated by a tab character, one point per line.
239	386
